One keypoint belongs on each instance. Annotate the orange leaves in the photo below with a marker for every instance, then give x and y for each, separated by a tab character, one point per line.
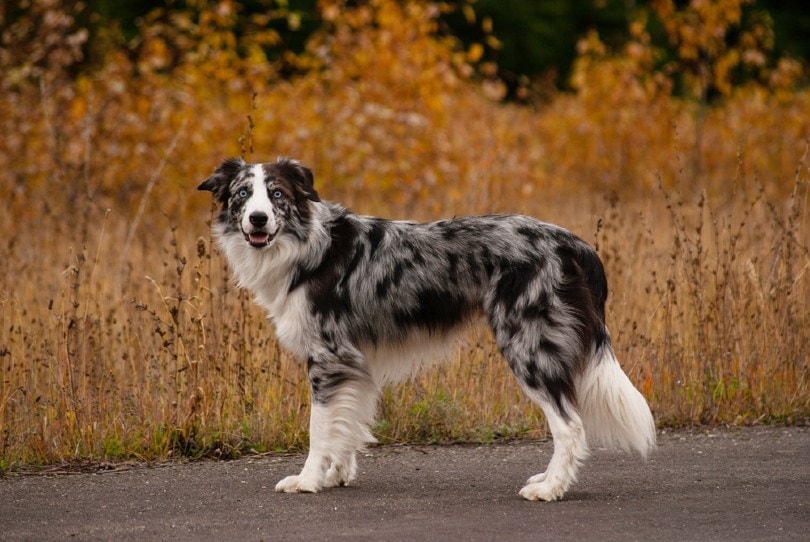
475	52
155	55
391	113
42	42
713	43
701	28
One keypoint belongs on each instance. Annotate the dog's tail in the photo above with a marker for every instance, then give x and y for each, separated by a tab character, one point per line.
614	413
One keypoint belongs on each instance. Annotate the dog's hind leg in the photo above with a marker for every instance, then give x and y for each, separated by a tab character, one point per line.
344	400
547	380
545	359
570	449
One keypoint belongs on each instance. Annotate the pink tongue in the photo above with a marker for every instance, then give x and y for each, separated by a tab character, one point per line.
258	237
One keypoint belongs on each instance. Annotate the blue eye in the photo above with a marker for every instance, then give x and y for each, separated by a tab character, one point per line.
243	193
277	194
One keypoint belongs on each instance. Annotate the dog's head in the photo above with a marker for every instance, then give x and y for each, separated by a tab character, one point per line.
262	201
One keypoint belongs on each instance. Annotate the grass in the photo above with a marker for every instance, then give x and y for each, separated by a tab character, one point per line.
154	354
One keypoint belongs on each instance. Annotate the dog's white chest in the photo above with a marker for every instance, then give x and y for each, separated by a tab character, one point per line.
291	317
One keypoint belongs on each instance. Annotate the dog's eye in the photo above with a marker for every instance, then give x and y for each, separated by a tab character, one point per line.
277	194
243	193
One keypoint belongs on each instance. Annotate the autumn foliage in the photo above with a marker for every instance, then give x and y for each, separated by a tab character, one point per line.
121	335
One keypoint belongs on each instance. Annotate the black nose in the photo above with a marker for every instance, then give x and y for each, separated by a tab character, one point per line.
258	219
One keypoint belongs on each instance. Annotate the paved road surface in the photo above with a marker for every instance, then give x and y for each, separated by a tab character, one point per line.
737	484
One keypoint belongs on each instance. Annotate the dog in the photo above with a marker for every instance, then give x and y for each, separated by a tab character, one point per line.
365	300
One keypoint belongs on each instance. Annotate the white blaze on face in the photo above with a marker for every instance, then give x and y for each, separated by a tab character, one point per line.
259	202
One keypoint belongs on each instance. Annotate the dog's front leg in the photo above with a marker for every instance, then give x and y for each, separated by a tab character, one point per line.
313	476
344	400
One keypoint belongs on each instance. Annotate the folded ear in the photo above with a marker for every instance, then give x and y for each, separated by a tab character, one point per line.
220	181
300	175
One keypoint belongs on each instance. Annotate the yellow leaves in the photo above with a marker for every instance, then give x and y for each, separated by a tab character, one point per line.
294	21
388	111
786	75
469	14
708	53
723	67
486	25
154	56
330	11
475	52
591	45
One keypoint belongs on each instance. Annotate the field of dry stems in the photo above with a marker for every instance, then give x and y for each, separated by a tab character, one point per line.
121	335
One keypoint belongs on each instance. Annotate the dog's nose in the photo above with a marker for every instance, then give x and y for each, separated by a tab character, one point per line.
258	219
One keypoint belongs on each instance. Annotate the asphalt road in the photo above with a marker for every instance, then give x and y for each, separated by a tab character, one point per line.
718	484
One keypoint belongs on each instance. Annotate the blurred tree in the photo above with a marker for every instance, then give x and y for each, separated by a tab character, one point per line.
125	15
708	48
291	21
529	44
537	39
791	26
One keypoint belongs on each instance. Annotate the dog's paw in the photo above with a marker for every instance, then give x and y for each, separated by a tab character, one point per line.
297	484
341	473
338	475
542	491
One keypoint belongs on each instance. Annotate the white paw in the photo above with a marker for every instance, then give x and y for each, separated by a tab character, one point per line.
542	491
340	474
297	484
537	478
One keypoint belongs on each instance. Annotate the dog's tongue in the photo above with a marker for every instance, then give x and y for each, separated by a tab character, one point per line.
258	238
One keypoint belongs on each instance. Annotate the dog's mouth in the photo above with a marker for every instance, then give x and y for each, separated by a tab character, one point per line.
258	239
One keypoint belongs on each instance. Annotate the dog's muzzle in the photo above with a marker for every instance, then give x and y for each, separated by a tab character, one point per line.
258	236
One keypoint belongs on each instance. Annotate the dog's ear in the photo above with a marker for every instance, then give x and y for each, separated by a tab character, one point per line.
220	181
300	175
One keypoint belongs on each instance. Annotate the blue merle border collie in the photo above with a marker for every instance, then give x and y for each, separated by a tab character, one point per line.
366	300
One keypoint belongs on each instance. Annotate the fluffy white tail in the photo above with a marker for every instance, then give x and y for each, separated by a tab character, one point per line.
613	411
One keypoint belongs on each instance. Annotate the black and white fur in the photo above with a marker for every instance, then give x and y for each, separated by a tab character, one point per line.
364	300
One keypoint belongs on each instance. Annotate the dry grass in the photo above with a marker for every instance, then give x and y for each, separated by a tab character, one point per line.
121	335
